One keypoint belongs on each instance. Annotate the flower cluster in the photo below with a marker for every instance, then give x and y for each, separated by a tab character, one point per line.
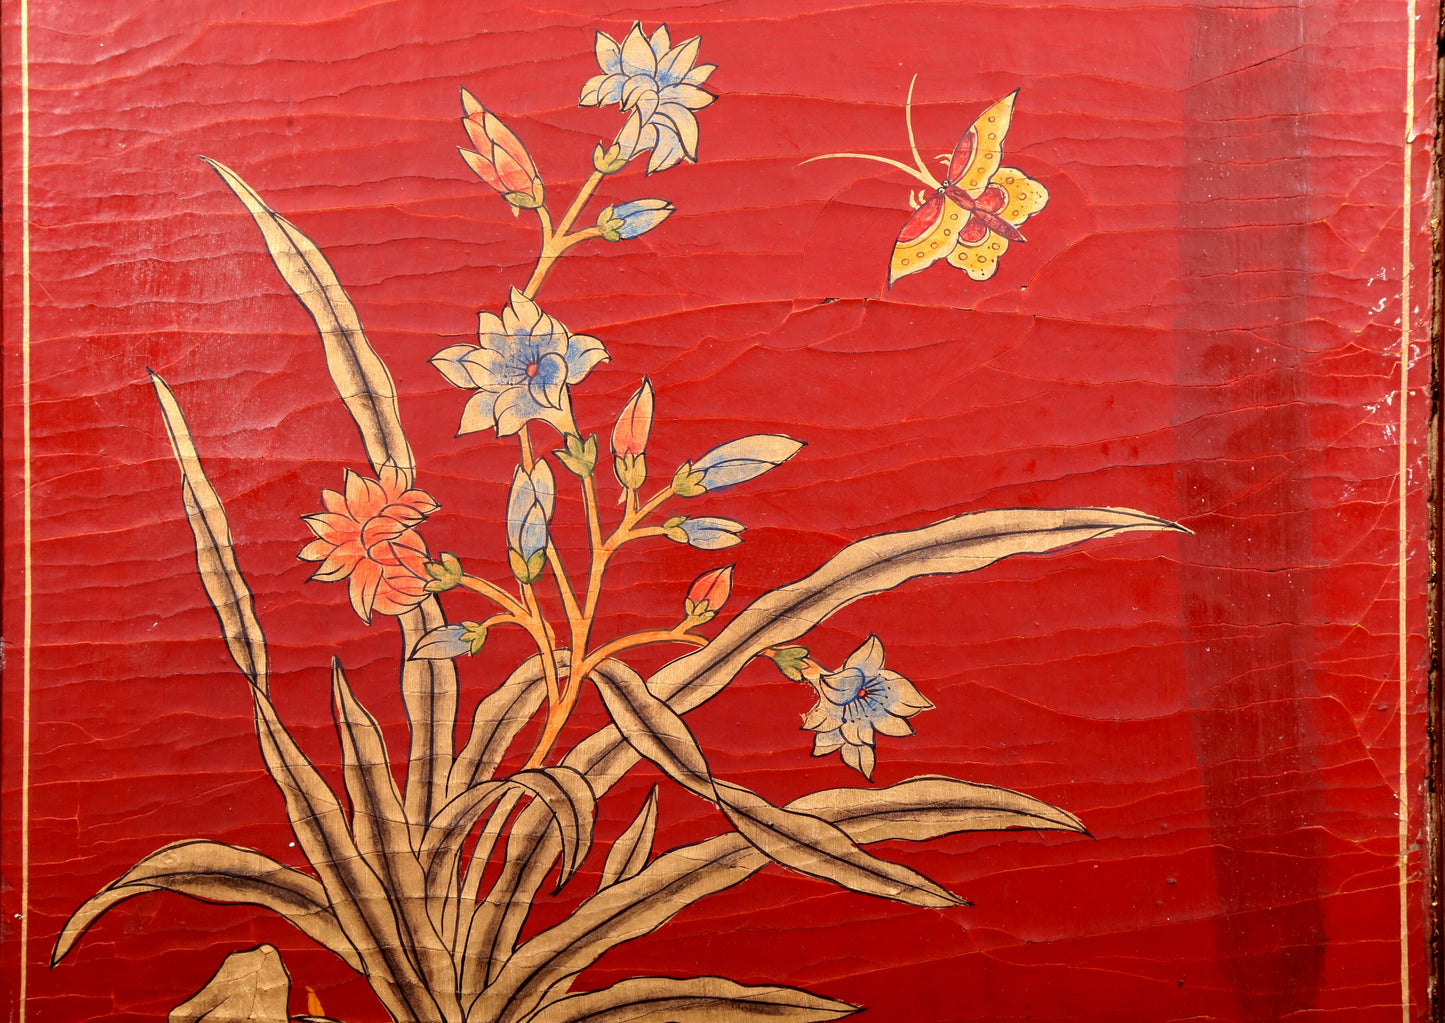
661	85
521	370
368	535
859	699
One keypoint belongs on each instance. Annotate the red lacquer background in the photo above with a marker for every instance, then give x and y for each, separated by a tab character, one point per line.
1203	325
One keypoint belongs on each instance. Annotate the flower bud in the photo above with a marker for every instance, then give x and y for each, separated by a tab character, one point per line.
500	158
634	423
708	593
706	534
631	219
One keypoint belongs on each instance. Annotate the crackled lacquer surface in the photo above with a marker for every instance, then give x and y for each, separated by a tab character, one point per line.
1204	324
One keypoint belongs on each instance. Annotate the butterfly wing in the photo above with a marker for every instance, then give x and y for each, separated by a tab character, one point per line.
977	156
927	236
1012	197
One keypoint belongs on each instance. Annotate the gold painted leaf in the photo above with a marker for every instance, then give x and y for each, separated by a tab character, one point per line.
213	872
630	853
693	1000
963	543
429	693
379	826
250	987
215	560
805	843
564	793
916	809
429	688
361	377
499	716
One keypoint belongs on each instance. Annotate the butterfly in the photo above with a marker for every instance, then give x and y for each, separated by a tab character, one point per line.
978	208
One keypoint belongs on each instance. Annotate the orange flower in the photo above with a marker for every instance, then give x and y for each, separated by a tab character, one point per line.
368	535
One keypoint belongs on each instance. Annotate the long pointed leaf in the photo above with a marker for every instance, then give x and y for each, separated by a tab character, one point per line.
356	893
215	559
693	1000
630	853
429	688
361	377
805	843
383	838
429	693
213	872
917	809
963	543
499	716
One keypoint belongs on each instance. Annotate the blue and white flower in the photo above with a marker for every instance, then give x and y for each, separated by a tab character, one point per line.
520	367
858	700
529	510
661	83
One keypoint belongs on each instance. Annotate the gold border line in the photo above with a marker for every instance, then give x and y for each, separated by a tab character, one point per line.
1403	811
25	486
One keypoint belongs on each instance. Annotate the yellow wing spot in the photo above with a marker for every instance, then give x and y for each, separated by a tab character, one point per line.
921	253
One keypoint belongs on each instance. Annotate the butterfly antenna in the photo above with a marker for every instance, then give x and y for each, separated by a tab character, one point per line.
908	119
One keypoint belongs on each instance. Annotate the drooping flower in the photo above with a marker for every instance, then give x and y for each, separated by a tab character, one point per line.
708	593
521	367
856	701
529	510
500	160
661	83
368	535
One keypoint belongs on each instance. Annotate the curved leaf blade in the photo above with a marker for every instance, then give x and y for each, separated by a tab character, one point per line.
693	1000
499	716
361	377
383	837
213	872
225	587
633	848
916	809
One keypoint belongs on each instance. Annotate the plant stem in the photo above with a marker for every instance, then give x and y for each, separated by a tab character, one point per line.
494	593
555	243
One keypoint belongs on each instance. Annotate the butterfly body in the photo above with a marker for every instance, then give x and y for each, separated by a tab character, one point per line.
976	211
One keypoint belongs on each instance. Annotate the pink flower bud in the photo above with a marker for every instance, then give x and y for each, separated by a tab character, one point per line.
710	590
500	160
629	436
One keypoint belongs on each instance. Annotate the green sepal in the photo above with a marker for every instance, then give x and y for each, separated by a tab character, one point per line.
673	528
446	573
631	470
475	635
789	660
610	160
687	481
528	200
580	456
527	570
610	225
